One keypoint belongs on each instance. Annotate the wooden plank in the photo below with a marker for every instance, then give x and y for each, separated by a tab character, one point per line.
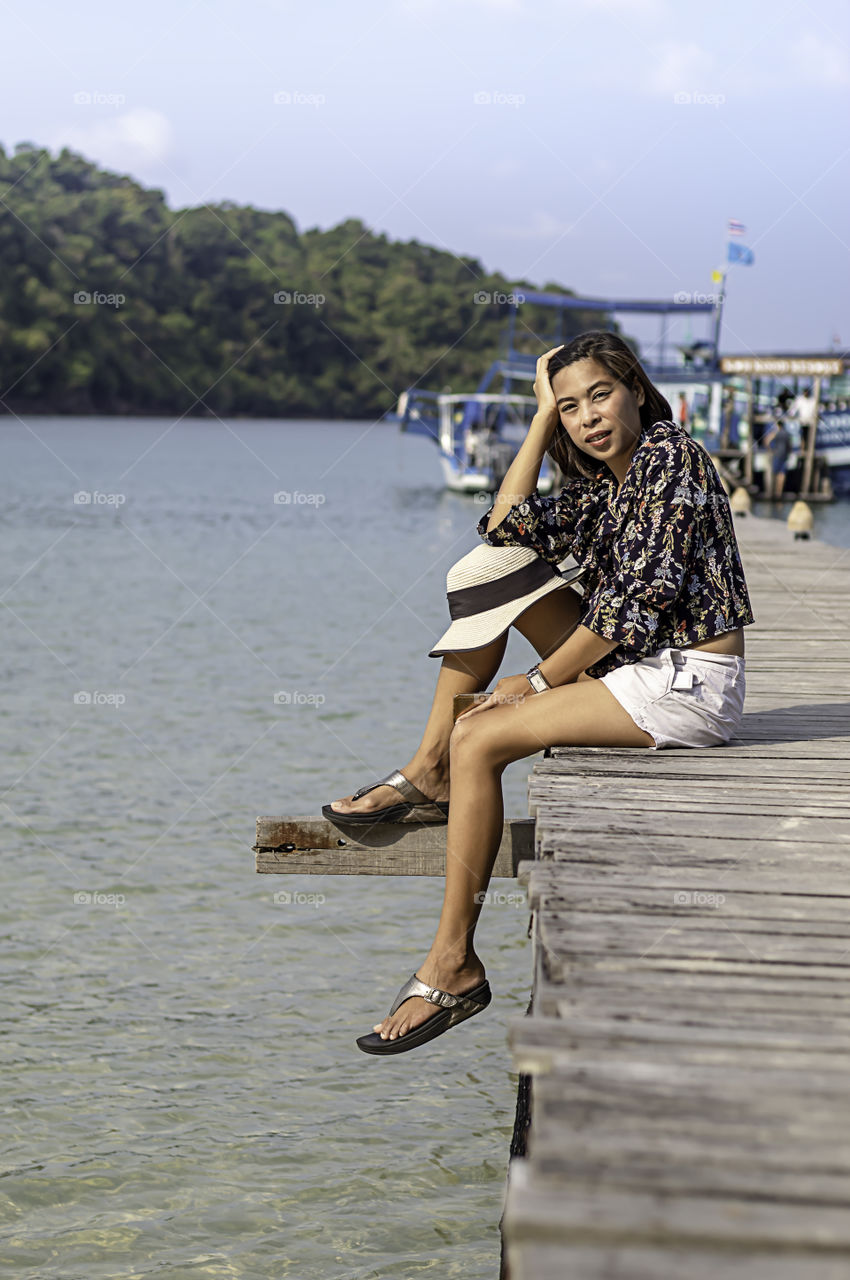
574	1212
705	867
539	1032
560	965
821	800
533	1260
314	846
715	1102
679	823
644	900
681	1064
571	933
732	1009
742	989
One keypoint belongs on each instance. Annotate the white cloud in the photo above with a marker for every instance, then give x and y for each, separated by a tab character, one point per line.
420	8
538	226
136	141
682	67
815	61
638	8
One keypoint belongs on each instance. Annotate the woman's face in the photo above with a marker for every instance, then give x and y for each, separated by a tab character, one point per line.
600	414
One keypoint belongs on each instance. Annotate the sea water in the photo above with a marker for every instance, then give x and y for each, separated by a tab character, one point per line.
181	1091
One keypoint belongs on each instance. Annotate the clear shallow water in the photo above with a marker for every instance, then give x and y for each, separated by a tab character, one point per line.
181	1093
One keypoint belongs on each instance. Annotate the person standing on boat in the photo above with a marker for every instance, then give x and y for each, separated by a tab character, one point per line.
805	411
683	411
472	440
650	656
778	441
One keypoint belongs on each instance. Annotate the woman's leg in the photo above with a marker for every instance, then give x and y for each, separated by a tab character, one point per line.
428	768
584	713
546	624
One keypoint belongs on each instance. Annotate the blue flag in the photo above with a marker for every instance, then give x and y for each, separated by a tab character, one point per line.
739	253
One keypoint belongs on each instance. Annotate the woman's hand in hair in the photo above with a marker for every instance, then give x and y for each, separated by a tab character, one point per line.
547	409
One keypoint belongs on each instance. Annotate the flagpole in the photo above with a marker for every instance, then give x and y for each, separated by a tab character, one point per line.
718	315
718	310
716	405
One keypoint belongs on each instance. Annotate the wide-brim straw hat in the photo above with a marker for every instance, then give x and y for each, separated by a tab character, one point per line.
488	590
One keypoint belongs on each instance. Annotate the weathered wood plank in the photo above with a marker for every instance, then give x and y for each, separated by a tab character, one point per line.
575	1212
704	867
572	933
792	1014
314	846
536	1032
610	1261
644	900
742	989
715	1102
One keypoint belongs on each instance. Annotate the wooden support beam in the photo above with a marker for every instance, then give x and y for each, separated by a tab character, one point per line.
314	846
811	444
751	433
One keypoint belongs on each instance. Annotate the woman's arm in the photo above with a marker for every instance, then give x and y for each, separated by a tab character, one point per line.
578	652
523	473
565	665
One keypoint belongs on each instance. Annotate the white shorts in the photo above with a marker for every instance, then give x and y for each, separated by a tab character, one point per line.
682	697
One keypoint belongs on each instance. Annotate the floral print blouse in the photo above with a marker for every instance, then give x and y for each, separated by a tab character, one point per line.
660	558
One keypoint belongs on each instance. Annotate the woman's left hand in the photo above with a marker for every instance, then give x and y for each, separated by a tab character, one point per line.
510	689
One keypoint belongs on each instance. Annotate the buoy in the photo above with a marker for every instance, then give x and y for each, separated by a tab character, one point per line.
800	520
740	502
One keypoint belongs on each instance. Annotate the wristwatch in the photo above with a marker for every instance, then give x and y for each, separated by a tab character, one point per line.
537	680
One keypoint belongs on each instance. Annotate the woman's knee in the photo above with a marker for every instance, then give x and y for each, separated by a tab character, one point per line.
465	737
473	736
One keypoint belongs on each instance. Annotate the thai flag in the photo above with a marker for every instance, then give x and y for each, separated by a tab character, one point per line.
735	228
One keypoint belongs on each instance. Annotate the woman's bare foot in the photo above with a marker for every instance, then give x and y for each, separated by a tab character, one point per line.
432	781
453	975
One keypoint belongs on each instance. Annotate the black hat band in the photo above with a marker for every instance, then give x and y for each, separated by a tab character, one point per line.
468	601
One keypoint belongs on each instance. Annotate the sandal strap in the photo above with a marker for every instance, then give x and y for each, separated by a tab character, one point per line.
396	779
416	987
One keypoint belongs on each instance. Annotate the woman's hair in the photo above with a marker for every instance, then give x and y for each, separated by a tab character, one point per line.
617	357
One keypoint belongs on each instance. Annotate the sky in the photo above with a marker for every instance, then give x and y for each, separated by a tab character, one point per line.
602	144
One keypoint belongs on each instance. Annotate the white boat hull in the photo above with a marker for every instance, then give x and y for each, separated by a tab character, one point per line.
462	479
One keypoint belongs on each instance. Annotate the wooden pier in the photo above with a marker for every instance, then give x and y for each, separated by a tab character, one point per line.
689	1039
688	1043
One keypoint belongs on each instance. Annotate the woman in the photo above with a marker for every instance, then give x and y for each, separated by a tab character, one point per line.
651	655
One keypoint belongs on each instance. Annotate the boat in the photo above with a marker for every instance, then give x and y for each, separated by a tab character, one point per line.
833	440
479	432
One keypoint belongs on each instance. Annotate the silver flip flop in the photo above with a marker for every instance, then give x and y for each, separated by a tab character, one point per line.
454	1009
415	808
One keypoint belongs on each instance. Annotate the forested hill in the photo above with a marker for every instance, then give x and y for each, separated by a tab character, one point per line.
110	302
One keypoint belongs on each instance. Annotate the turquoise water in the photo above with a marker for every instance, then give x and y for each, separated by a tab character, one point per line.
181	1091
